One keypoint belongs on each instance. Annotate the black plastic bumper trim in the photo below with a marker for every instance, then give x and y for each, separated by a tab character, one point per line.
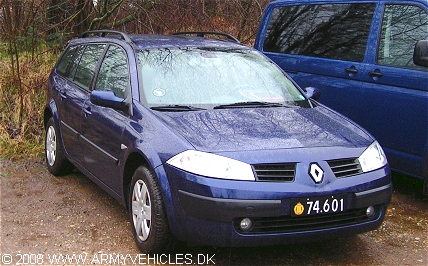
225	210
380	195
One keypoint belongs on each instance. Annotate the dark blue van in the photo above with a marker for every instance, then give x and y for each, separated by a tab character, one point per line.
369	61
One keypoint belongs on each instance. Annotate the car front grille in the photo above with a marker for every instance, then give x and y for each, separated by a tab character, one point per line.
287	224
275	172
345	167
285	172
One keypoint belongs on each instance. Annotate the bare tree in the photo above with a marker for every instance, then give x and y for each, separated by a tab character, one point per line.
30	28
105	10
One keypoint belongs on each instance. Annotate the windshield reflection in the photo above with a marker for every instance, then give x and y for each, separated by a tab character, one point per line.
211	77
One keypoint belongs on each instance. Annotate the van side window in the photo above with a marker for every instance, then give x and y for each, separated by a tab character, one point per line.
337	31
402	27
87	64
114	74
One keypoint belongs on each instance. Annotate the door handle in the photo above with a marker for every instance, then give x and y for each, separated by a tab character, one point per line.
63	95
375	74
87	111
351	70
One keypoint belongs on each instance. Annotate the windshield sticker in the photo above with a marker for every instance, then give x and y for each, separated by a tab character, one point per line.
159	92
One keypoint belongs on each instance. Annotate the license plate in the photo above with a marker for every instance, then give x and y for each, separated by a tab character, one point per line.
318	205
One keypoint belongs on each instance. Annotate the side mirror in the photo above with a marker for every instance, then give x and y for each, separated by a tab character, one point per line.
420	55
313	93
107	99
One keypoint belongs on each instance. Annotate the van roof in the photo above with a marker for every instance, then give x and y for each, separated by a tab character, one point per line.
300	2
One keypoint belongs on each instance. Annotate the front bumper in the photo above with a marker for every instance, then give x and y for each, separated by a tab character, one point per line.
226	210
207	211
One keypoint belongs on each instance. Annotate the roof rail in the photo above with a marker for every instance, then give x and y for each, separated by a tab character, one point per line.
103	33
203	33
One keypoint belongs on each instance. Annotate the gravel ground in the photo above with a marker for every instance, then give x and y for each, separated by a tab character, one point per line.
59	220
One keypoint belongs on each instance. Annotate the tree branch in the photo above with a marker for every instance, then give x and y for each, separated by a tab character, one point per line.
107	14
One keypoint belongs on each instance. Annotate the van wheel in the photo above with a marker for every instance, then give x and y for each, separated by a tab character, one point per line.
55	159
147	214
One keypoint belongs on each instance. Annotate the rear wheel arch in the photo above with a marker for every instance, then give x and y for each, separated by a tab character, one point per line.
51	110
56	161
46	116
425	163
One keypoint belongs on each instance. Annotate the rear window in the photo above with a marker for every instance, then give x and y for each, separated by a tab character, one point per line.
336	31
65	60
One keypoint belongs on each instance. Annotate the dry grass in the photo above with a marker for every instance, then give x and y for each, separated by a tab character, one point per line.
21	108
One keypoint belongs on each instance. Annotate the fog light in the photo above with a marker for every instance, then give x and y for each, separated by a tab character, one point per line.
246	224
370	212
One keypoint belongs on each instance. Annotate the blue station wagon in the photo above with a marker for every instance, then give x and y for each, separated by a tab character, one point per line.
207	141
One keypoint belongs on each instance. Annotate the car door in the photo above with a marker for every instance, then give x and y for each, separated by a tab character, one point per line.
69	100
74	94
322	45
102	127
396	90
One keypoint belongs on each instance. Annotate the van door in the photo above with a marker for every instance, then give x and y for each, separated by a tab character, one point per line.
321	45
396	90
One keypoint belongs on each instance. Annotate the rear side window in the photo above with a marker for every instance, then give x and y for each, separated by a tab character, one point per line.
336	31
402	27
65	60
86	67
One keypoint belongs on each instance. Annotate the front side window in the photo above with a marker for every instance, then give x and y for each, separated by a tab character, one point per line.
402	27
336	31
86	67
205	78
113	74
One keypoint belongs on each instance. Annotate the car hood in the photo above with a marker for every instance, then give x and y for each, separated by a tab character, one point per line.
264	128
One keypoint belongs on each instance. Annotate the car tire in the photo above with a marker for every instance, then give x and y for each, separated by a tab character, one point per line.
56	161
147	214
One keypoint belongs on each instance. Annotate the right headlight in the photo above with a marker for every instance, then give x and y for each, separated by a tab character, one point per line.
372	158
212	165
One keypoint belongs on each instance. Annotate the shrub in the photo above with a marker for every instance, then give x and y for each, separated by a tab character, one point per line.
21	108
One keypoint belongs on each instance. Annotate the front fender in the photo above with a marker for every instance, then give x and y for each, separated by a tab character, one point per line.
142	153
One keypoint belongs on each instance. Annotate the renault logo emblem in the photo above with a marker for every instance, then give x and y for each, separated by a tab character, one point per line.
316	172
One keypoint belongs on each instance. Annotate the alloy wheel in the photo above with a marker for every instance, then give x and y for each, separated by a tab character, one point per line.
141	210
51	145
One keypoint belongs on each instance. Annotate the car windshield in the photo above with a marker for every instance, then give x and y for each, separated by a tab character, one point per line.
195	78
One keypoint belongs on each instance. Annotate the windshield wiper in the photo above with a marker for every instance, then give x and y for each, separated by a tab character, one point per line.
252	105
176	108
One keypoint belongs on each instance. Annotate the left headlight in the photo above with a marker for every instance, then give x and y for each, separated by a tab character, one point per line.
372	158
212	165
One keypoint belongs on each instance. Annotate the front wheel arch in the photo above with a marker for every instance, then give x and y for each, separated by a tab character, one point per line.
136	159
147	213
133	161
